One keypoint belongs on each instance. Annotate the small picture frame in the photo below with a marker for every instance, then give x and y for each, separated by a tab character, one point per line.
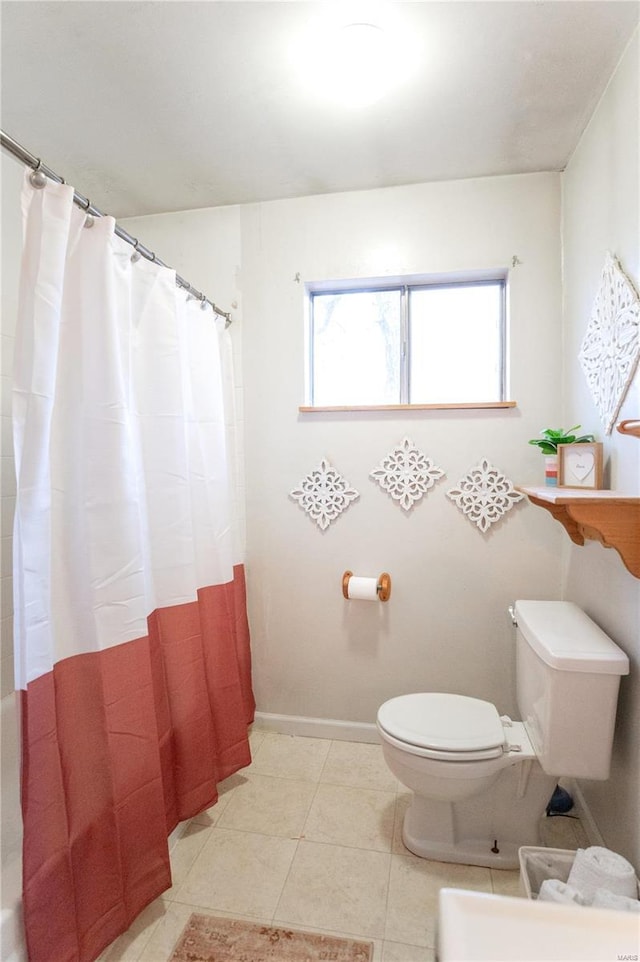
580	465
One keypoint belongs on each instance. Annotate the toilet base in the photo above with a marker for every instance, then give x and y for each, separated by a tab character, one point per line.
505	816
469	851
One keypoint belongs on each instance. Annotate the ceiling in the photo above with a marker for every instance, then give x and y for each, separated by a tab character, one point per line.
162	106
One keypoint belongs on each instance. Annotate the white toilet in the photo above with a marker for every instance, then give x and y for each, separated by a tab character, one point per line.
481	782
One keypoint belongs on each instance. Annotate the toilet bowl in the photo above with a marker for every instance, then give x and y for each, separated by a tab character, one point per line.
480	781
467	768
449	746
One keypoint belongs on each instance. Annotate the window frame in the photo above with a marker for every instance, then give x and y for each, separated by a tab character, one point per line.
405	285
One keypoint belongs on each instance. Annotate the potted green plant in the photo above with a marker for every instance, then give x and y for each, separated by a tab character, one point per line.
548	443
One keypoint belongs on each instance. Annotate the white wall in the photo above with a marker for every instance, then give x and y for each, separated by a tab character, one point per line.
445	627
601	211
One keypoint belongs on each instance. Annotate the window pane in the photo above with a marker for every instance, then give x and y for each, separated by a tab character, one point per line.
356	348
455	344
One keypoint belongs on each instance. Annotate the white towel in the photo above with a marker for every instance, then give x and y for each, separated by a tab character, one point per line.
553	890
604	899
599	868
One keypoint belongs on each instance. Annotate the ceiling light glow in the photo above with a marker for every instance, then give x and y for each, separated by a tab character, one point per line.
354	64
358	68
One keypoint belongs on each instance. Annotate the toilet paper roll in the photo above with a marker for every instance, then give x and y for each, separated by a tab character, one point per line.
366	589
362	589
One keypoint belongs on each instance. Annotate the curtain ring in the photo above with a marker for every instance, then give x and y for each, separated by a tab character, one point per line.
37	177
89	220
203	305
136	253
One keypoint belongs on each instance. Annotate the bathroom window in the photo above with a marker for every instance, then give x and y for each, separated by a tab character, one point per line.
420	344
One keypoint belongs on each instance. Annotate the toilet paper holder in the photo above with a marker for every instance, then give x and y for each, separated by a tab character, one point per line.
383	586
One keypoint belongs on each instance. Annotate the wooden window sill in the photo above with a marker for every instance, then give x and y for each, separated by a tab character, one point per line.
471	405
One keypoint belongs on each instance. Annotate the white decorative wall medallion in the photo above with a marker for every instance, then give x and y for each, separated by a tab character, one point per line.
484	495
324	494
406	474
611	345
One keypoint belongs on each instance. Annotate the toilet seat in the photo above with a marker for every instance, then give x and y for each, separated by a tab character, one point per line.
443	726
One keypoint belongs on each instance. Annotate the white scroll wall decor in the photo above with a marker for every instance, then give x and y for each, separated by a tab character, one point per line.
611	346
324	494
406	474
484	495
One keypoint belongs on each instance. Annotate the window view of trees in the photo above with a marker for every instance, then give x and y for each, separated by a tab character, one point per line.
421	344
356	348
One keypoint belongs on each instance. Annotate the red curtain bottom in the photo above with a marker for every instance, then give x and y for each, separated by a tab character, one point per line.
118	747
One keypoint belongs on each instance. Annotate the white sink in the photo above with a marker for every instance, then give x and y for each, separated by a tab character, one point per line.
475	927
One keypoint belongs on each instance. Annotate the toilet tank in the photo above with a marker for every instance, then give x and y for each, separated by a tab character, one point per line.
568	674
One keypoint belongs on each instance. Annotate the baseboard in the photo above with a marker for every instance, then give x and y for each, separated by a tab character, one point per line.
346	731
582	810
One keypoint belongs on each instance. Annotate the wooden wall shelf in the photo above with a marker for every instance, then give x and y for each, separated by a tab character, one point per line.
610	517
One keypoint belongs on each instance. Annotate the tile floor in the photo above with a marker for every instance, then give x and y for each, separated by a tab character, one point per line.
308	836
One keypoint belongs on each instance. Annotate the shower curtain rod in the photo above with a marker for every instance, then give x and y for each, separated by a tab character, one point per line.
13	147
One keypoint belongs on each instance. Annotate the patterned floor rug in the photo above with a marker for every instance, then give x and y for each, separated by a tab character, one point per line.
207	938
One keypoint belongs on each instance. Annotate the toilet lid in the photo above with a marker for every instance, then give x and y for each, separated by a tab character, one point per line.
443	722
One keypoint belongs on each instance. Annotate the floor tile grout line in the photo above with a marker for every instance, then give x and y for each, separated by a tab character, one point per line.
318	780
147	941
325	781
393	835
397	787
300	838
177	885
340	844
284	884
324	763
335	845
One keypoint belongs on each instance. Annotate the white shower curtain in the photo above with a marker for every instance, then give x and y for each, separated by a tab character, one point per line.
132	643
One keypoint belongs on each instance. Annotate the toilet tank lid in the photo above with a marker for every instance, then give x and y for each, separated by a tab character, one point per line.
566	638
